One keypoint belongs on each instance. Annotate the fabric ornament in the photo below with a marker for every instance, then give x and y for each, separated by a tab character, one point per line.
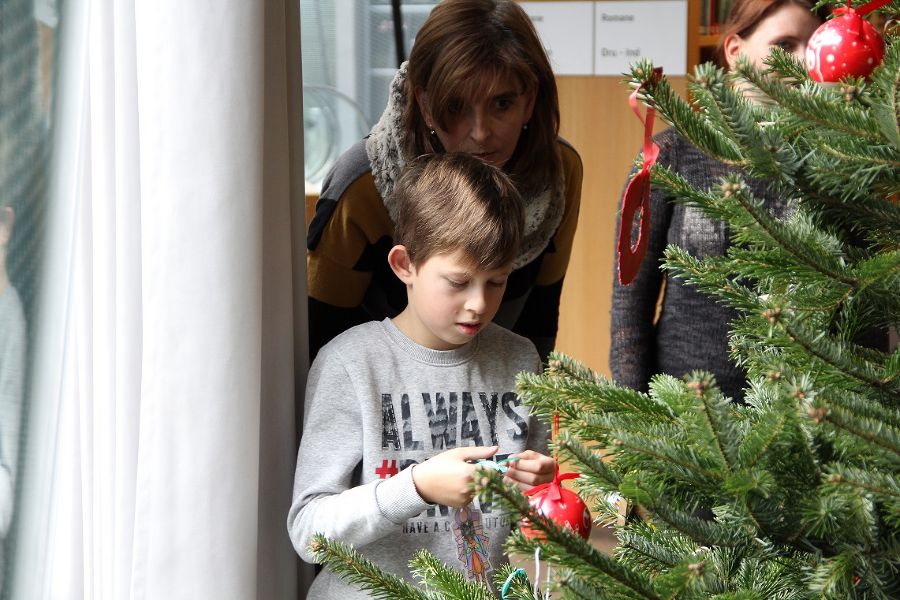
845	46
637	197
563	507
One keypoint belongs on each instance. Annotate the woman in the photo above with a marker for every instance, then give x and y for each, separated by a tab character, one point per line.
691	332
477	81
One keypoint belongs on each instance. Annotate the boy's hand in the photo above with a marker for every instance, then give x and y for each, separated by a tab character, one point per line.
532	468
445	478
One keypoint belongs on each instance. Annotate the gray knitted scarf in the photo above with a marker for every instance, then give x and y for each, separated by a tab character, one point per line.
543	208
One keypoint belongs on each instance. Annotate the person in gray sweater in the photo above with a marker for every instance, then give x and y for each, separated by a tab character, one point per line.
691	331
397	411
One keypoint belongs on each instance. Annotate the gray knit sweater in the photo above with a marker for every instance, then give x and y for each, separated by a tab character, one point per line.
692	331
378	403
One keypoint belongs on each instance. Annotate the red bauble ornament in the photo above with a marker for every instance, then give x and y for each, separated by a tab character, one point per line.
845	45
563	507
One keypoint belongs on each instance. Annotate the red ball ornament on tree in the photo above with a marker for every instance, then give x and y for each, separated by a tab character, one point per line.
847	45
563	507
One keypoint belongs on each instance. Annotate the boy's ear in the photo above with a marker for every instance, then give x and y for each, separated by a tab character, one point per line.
400	264
7	219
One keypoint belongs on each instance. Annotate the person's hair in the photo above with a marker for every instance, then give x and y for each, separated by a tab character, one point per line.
455	202
464	44
746	15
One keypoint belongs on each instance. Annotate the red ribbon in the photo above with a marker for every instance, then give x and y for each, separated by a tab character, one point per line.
637	196
552	487
854	24
862	10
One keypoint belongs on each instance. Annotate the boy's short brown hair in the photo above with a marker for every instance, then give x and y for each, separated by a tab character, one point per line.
455	202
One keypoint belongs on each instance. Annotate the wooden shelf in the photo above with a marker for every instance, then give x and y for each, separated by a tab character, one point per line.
700	46
710	40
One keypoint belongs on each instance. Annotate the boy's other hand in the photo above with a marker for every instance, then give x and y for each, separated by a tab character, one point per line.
532	468
445	478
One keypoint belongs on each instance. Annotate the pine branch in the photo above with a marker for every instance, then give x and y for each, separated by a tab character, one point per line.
813	104
679	113
763	435
718	421
684	463
591	463
450	582
833	578
645	554
871	431
837	356
884	485
560	365
784	67
886	80
747	125
557	543
343	560
786	238
703	531
552	393
519	586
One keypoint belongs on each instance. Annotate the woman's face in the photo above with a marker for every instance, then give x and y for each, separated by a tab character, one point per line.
788	27
485	126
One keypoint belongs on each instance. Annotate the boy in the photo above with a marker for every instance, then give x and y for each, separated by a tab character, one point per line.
398	410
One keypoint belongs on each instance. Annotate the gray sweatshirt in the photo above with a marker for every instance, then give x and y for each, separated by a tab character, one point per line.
378	403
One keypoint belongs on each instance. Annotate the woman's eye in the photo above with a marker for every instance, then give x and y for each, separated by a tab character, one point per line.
503	104
455	107
786	45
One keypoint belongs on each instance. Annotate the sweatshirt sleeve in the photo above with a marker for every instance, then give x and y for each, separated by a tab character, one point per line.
328	498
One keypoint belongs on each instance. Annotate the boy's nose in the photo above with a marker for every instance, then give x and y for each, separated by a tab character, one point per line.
476	303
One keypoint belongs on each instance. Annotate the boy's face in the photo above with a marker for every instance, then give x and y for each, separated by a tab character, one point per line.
450	301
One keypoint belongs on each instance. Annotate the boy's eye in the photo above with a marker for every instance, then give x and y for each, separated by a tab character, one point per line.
456	284
497	284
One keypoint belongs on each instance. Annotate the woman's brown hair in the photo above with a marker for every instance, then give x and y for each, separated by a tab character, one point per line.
746	15
464	43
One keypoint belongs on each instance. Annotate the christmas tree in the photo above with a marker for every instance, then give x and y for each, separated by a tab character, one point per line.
796	492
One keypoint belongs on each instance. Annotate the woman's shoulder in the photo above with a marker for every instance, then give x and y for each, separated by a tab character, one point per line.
568	153
572	166
349	166
671	138
675	149
349	190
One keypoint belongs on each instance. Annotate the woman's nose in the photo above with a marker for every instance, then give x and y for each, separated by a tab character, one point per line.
479	128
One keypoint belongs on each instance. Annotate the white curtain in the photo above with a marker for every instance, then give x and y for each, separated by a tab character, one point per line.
161	437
